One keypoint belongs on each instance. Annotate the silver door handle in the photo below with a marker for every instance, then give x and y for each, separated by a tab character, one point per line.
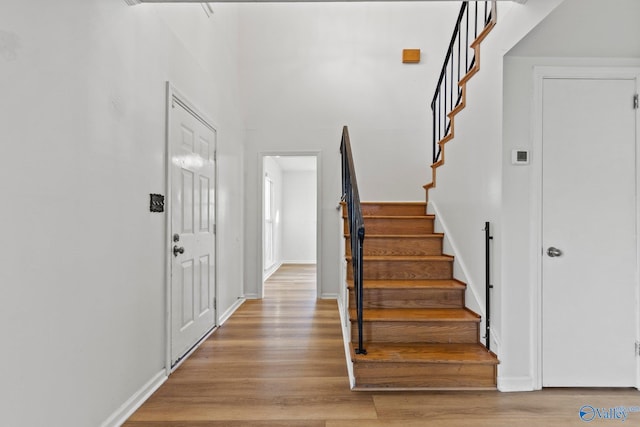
177	250
554	252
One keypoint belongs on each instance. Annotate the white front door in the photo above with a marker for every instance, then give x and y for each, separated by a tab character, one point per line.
192	161
589	216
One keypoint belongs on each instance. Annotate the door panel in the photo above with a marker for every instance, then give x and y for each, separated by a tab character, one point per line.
192	145
187	201
186	284
589	215
205	284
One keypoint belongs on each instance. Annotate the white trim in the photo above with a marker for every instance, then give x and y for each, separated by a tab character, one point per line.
475	303
229	312
329	295
511	384
637	229
260	245
569	72
174	95
135	401
309	262
346	338
269	271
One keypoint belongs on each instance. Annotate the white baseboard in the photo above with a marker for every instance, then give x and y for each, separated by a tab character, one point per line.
269	271
135	401
251	296
313	261
509	384
227	314
329	296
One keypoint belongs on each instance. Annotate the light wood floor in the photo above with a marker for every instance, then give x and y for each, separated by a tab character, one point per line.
280	362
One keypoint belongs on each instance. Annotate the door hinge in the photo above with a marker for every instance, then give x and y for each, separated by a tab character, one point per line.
635	101
215	303
214	228
637	348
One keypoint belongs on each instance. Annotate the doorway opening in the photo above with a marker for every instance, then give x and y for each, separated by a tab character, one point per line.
289	221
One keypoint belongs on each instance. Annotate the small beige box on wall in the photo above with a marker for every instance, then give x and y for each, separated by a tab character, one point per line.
410	56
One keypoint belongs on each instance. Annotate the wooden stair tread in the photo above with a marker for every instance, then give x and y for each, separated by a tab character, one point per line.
416	315
426	353
395	203
407	258
399	217
410	284
401	236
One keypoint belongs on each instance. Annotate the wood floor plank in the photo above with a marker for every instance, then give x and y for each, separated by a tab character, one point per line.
555	407
280	362
277	361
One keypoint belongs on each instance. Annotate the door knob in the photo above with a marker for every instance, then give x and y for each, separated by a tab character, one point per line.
554	252
177	250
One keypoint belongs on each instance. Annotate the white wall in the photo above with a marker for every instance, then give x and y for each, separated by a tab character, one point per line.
468	191
518	267
82	125
299	217
479	183
469	185
309	69
576	19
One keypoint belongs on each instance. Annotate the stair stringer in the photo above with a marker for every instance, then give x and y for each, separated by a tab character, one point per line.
461	272
475	45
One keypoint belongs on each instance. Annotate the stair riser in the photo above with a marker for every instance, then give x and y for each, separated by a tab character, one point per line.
440	332
389	209
393	209
398	246
424	375
395	225
404	270
410	298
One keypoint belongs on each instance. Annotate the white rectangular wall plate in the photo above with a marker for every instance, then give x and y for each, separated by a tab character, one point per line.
520	156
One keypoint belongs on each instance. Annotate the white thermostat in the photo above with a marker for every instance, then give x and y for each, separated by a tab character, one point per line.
520	156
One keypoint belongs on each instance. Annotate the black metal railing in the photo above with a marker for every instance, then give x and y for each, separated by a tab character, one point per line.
351	197
473	18
488	286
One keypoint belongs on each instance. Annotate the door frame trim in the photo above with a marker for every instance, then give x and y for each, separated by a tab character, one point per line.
540	73
260	230
174	95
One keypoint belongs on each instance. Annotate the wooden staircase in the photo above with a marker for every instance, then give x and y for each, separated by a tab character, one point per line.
417	331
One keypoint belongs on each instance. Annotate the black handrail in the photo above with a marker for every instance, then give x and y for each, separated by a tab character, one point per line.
351	197
456	67
488	286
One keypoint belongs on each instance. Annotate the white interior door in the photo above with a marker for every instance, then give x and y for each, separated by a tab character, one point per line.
589	215
192	162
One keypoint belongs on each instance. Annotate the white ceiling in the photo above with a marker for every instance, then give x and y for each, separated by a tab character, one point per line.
283	1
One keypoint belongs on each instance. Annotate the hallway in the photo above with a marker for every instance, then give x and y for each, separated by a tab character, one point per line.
280	362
